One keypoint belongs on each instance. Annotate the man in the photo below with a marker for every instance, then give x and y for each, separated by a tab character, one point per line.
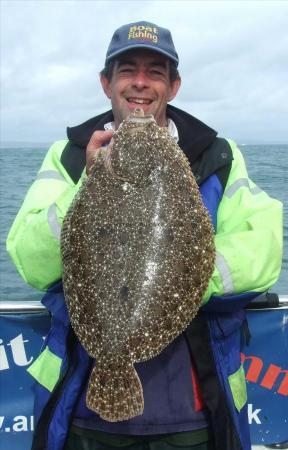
194	391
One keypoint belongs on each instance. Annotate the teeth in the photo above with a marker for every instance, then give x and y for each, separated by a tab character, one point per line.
138	100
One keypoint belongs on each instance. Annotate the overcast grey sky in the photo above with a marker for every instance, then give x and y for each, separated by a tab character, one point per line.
233	62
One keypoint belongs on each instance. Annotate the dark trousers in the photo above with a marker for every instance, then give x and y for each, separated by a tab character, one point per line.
78	442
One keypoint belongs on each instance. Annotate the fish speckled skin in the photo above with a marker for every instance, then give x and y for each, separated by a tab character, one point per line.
138	251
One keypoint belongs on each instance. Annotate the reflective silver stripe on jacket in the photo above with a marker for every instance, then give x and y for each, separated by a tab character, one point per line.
53	221
240	183
50	175
225	273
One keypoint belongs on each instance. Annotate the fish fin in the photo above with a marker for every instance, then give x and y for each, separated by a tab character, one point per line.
115	392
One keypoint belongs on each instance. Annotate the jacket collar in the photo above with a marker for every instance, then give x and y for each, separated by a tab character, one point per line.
194	135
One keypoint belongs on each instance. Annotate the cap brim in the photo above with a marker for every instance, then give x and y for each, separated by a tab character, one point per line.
135	46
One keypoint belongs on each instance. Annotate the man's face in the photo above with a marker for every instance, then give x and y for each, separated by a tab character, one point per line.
140	78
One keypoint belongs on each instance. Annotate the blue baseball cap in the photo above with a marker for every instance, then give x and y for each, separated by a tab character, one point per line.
142	35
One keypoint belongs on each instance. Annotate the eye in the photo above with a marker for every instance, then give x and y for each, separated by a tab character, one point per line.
125	69
159	73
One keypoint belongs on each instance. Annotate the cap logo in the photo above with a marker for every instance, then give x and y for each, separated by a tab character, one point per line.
145	33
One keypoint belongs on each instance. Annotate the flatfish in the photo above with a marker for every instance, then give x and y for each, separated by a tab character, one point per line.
138	251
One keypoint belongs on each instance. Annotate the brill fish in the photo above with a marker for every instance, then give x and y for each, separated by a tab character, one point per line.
138	252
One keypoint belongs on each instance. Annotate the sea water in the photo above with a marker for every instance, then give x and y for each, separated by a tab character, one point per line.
267	166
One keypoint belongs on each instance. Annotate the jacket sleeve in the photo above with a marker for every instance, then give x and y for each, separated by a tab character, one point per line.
248	237
34	239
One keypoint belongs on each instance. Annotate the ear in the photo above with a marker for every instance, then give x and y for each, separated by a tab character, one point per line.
174	88
105	85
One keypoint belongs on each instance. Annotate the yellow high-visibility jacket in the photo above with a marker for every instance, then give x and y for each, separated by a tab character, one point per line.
248	237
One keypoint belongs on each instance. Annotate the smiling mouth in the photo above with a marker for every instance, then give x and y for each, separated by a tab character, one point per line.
139	101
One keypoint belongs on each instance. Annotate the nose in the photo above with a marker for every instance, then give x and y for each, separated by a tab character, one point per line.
140	80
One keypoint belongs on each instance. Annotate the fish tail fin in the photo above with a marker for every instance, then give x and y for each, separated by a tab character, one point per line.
115	392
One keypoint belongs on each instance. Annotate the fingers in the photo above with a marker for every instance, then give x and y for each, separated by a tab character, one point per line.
97	140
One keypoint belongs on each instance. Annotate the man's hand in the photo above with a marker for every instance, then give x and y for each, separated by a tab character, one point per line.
98	139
